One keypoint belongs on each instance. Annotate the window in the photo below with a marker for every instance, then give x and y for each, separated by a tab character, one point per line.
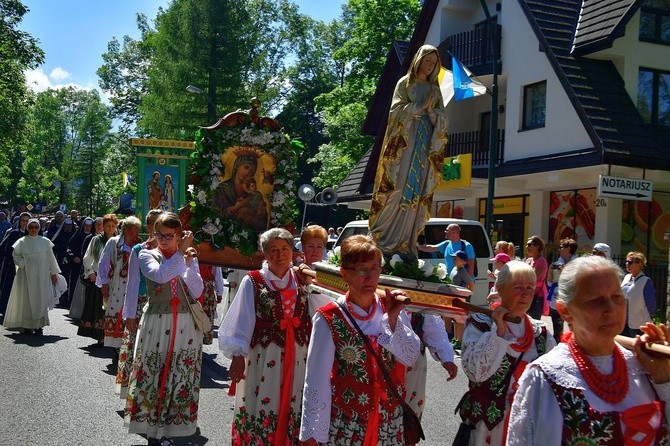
653	96
534	105
655	21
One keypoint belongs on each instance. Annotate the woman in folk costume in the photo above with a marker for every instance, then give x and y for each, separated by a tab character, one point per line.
589	389
433	335
36	273
92	324
164	386
133	306
495	352
212	279
77	304
113	278
266	333
347	400
410	164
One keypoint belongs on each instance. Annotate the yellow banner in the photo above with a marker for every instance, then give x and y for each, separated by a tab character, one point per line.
456	172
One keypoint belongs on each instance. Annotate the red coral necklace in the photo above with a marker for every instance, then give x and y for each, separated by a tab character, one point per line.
523	343
612	388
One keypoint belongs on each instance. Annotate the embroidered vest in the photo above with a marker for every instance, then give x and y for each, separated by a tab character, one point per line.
354	372
485	401
585	425
160	295
269	315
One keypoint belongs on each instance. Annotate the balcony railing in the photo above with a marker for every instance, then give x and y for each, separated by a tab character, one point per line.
473	48
476	143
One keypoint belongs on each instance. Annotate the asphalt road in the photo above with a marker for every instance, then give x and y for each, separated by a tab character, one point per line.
58	390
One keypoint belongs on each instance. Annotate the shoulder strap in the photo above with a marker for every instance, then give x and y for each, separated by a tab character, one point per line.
381	365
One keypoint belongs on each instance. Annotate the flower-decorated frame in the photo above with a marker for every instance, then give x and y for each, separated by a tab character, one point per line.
240	129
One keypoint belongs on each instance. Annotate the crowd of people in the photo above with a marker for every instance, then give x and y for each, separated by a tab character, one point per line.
308	369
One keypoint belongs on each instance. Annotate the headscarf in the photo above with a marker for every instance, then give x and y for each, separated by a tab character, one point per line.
420	54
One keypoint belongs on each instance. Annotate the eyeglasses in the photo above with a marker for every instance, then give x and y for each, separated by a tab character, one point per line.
628	262
161	236
364	272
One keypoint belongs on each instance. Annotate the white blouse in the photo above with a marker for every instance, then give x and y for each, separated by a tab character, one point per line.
238	325
168	269
436	338
403	343
536	418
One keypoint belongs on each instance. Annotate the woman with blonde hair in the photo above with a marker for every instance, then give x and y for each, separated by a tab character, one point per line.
113	278
640	294
495	351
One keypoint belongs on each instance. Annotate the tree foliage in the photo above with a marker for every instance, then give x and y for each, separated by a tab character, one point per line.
18	51
124	75
372	27
66	140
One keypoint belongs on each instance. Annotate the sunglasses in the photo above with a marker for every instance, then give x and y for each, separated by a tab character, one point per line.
628	262
160	236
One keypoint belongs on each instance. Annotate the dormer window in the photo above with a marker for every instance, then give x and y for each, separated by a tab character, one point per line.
655	21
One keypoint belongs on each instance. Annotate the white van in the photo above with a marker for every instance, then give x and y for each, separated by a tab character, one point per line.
434	233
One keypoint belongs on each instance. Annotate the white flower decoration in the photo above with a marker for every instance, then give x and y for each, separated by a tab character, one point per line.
395	259
441	271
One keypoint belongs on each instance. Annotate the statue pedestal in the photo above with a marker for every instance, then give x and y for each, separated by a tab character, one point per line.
426	296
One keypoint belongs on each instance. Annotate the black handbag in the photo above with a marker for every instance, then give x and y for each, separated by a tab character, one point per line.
412	430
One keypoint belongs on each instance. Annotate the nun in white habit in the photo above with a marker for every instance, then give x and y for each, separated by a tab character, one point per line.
32	291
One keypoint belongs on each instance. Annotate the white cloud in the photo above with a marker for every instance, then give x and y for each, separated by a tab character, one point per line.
37	80
59	74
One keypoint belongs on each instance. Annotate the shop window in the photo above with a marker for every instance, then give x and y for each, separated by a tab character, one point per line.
655	21
534	105
653	96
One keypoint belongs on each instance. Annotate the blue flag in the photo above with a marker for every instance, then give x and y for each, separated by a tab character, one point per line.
464	87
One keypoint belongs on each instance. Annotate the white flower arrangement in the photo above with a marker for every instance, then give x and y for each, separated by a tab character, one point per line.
207	170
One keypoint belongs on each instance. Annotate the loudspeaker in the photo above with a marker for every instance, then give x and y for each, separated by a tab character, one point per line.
306	192
328	196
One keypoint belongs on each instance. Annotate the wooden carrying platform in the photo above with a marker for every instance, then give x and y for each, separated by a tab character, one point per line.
423	296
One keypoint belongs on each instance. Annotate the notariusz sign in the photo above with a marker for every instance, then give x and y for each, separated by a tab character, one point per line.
625	188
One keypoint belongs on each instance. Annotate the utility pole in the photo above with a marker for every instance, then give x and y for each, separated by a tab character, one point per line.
493	134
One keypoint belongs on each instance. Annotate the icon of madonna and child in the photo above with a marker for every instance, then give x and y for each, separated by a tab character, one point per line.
161	196
242	196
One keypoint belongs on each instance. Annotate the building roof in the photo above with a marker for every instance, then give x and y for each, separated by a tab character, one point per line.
594	87
601	22
349	189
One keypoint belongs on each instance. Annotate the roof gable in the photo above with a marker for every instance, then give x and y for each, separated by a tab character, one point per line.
594	87
601	22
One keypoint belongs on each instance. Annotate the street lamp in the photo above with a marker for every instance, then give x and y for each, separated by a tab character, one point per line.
211	106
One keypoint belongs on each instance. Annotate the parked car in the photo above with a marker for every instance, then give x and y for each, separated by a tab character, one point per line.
434	233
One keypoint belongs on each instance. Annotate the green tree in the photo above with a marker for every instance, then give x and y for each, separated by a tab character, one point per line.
67	138
124	75
373	26
18	51
314	73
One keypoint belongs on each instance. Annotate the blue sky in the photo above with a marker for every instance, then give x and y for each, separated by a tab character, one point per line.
74	34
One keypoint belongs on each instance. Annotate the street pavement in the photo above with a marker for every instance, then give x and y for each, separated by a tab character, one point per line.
58	390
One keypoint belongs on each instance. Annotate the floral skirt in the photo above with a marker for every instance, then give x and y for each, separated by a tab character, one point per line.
209	306
257	397
177	415
126	354
415	384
